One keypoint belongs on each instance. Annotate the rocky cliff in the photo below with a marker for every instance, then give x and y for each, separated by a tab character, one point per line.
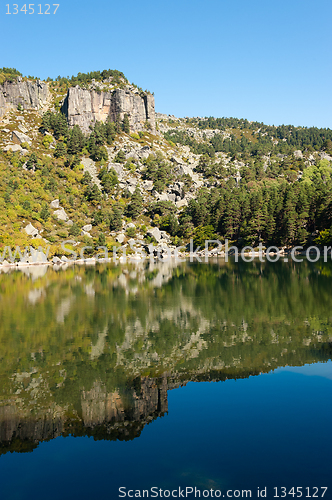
85	107
30	95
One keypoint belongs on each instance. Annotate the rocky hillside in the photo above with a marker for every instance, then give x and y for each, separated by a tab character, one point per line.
88	159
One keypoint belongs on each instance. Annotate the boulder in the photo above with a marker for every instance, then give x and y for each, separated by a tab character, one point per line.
61	214
30	230
325	156
55	204
56	260
155	232
118	169
13	147
19	137
87	228
120	238
148	185
86	233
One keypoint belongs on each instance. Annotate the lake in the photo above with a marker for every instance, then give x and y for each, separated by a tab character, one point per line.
115	380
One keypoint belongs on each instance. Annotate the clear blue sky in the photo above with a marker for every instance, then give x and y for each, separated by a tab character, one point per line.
265	60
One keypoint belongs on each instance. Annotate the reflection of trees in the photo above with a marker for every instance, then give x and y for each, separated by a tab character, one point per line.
92	350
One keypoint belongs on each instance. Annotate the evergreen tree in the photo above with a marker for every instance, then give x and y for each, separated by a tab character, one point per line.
120	157
116	218
135	206
125	124
60	150
76	141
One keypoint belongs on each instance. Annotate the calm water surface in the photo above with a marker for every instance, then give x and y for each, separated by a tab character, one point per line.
209	375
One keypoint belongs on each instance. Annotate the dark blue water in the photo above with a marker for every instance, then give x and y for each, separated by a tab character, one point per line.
270	430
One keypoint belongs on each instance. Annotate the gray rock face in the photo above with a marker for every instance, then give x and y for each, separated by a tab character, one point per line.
30	95
84	107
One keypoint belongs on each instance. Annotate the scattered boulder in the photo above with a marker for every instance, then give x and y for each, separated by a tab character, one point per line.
171	197
56	260
155	233
30	230
87	228
55	204
148	185
118	169
86	233
325	156
19	137
61	214
120	238
13	147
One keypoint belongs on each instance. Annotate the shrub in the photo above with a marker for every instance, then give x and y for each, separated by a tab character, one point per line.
131	232
120	157
74	230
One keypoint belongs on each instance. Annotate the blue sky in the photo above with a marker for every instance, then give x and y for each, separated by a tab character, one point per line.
268	61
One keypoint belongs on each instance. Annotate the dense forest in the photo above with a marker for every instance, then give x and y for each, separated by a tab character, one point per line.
253	138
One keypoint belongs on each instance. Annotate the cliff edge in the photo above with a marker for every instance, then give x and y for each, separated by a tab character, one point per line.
84	107
28	94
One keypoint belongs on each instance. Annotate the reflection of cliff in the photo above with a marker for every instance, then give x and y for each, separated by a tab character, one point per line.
118	415
103	415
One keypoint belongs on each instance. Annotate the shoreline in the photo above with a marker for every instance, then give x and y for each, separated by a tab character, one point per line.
200	257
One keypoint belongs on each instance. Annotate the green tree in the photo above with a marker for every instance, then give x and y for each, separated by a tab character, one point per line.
60	150
135	206
116	217
74	230
45	212
125	124
120	157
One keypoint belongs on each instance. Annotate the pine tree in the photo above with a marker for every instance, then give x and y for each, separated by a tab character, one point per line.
116	218
110	132
125	124
76	141
60	150
135	206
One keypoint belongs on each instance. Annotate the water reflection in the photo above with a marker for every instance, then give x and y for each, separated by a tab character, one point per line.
94	350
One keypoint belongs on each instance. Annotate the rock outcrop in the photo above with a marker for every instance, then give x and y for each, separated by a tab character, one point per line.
30	95
85	107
